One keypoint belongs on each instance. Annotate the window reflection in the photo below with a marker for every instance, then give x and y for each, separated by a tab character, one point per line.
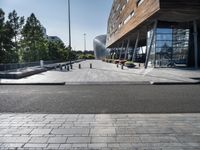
170	47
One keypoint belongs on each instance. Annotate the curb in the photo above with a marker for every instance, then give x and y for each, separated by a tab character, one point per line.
175	83
109	83
22	75
58	83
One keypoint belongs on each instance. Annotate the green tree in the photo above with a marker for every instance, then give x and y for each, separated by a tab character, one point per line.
2	50
58	51
16	24
6	44
34	45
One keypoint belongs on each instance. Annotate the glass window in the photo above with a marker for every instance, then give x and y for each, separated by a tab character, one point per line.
170	47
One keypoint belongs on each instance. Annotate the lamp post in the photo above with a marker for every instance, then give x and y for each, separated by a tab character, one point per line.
69	21
84	41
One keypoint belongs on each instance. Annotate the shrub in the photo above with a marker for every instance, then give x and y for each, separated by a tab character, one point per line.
129	64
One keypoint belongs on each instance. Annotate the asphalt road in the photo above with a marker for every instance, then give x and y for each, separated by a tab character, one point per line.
100	99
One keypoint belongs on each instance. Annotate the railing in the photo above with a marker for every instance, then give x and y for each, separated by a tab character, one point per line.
12	66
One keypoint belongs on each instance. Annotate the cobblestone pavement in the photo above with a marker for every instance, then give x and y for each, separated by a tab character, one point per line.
100	132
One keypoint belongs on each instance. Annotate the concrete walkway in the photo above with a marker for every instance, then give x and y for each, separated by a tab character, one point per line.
100	132
105	72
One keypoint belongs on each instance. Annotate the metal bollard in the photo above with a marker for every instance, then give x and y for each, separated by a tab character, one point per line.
122	66
90	66
117	65
79	66
139	64
71	66
67	67
60	67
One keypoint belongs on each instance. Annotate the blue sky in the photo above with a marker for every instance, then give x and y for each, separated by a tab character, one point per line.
87	16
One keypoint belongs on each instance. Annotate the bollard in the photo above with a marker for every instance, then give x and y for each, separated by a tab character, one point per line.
139	64
79	66
67	67
122	66
60	66
90	66
71	66
117	65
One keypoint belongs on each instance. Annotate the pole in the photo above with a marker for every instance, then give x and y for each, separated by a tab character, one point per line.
195	43
84	41
69	21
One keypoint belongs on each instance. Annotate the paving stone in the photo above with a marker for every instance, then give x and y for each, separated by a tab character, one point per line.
79	145
41	131
128	139
53	146
159	139
11	145
14	139
62	146
61	140
72	131
189	138
103	131
38	145
103	139
38	140
97	145
78	140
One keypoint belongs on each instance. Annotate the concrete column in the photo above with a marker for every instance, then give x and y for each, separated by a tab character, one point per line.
151	43
136	45
125	57
195	44
120	56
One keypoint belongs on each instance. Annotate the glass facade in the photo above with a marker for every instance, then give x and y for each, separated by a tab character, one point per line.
170	46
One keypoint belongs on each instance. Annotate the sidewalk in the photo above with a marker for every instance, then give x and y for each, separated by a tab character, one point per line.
100	132
105	72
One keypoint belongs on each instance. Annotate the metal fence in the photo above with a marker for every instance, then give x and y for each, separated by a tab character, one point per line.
12	66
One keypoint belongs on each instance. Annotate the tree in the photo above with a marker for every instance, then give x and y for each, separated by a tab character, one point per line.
16	24
6	43
2	51
34	45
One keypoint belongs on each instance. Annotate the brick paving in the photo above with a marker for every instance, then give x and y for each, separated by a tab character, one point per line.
100	131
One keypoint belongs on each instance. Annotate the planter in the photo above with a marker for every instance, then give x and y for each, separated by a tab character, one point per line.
122	62
130	64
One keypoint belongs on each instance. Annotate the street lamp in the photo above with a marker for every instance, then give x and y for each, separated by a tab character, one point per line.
69	21
84	41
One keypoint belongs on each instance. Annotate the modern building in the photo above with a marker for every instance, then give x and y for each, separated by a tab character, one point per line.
159	33
54	39
99	44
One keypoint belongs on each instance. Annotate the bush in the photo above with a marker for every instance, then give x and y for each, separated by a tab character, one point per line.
129	64
90	56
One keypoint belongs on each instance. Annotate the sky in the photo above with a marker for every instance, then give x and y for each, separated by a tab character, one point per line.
87	16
